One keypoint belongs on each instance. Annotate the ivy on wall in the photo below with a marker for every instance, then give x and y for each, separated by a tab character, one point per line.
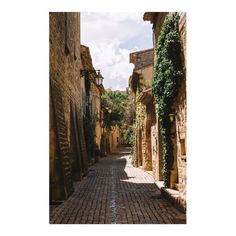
140	112
134	84
168	73
129	136
140	117
89	123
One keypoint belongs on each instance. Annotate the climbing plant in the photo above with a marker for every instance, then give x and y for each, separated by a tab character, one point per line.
129	136
139	121
140	112
89	121
134	84
168	73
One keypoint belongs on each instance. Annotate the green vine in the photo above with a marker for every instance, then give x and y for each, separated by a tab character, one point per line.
89	122
168	73
140	111
139	122
133	145
129	136
134	84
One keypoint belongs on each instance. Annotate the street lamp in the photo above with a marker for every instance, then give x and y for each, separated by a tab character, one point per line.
99	77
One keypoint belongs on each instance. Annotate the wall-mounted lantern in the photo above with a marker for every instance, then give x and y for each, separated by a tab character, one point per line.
99	77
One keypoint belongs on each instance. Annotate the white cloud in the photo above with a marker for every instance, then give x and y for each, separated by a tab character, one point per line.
111	37
113	62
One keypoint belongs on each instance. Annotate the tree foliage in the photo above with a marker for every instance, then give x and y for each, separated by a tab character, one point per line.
129	136
114	104
130	113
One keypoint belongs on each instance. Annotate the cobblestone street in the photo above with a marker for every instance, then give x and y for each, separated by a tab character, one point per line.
114	192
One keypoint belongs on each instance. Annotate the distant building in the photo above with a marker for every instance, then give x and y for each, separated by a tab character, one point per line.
143	65
140	83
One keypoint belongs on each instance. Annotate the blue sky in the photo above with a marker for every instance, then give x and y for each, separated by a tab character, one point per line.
111	37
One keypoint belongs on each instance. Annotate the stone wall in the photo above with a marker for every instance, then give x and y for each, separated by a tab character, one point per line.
181	111
146	76
147	148
94	95
178	172
181	140
96	113
142	59
143	66
157	162
114	137
140	140
67	144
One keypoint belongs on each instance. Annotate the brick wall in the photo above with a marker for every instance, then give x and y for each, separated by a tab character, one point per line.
66	130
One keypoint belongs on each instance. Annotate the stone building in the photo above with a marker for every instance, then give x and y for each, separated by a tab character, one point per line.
140	82
68	156
91	95
113	138
143	65
178	118
148	139
112	135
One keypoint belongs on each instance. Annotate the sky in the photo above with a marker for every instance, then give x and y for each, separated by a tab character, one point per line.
111	37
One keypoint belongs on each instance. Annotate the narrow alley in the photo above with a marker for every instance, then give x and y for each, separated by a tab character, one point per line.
115	192
117	118
117	137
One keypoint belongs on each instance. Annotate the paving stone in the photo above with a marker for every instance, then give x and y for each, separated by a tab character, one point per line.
115	192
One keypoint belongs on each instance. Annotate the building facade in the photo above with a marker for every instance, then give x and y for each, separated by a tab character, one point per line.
68	161
75	106
140	83
92	113
148	147
178	118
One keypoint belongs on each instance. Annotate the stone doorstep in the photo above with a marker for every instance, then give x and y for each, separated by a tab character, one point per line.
172	195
